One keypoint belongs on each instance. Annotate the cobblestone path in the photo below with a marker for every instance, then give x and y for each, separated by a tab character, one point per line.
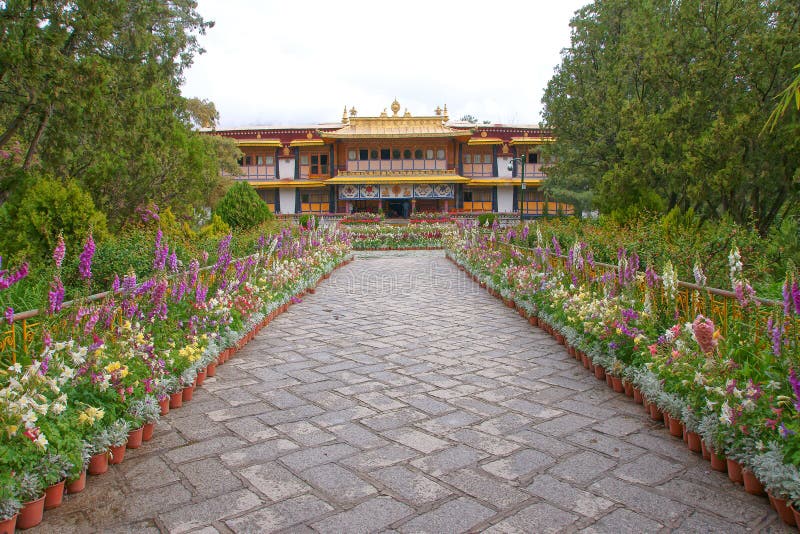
402	397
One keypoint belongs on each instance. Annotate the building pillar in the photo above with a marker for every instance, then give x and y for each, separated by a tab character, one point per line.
494	198
349	207
380	204
446	205
277	167
277	197
298	200
516	198
413	205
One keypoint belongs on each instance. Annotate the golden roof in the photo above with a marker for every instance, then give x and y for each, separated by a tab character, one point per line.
478	141
272	184
478	182
537	140
394	127
260	142
307	142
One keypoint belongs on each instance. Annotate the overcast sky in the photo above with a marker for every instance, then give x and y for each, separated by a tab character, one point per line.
292	62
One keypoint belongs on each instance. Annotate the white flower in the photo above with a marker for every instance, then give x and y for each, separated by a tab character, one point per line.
41	441
726	414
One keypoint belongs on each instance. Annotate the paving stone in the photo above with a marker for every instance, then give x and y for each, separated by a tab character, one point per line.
410	486
448	460
583	467
542	517
623	521
209	477
274	481
636	498
147	473
382	457
357	436
568	497
520	464
459	515
202	449
251	429
566	424
650	470
393	419
258	453
537	440
444	424
281	515
428	404
416	439
504	424
486	442
305	433
619	426
536	410
339	484
202	514
485	488
339	417
323	454
370	516
379	401
606	444
732	504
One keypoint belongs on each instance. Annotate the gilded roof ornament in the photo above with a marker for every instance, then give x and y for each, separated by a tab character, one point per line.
395	107
406	114
344	115
438	111
384	114
446	118
353	111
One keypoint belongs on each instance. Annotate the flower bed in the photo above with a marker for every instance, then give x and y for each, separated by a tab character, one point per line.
389	237
423	217
363	218
719	367
99	374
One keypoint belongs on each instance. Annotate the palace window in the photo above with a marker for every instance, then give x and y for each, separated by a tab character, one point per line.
395	153
319	165
248	160
429	154
418	153
303	159
533	157
363	154
351	155
440	154
407	154
373	154
385	153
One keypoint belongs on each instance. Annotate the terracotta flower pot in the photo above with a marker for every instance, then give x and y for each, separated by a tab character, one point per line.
117	454
655	413
53	495
784	512
752	485
31	514
585	360
7	526
135	438
599	372
176	400
201	377
211	369
77	485
717	463
164	404
693	442
98	464
637	396
188	393
796	514
628	388
734	471
675	427
704	450
533	320
608	380
616	383
147	431
561	339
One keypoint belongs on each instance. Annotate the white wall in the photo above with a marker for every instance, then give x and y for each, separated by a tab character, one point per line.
286	170
505	199
502	167
287	198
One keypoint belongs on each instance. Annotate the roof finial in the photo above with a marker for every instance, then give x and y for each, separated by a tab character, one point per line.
446	118
406	114
438	111
395	107
353	111
344	115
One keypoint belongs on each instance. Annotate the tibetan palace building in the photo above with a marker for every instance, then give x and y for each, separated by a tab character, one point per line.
395	163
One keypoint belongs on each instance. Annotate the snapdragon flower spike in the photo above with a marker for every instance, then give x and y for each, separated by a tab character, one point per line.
7	280
55	296
556	247
795	383
160	252
9	315
85	266
60	251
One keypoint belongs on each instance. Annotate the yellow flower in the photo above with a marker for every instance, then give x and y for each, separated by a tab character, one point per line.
12	429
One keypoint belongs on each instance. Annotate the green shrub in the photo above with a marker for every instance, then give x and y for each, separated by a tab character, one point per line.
35	213
303	221
241	207
484	218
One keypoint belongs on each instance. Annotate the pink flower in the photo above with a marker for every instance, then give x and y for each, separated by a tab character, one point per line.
703	329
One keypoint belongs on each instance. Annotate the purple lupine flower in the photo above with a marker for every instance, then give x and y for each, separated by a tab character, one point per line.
173	262
194	270
60	251
775	331
223	254
7	280
91	322
115	284
200	293
9	315
55	296
85	266
633	266
556	246
129	282
787	297
784	431
161	250
796	297
650	276
525	231
795	383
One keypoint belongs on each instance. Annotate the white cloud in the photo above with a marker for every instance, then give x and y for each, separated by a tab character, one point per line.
278	62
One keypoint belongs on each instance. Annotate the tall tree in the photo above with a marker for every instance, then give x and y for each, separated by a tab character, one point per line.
90	92
660	104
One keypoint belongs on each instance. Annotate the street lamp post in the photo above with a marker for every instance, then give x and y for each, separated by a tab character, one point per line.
521	161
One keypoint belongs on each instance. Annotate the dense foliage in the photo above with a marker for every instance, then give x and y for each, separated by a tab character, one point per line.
662	104
241	207
91	93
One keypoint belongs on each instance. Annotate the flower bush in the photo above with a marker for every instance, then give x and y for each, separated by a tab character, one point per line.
382	237
95	370
724	363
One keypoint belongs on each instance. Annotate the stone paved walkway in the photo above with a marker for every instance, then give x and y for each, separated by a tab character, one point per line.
402	397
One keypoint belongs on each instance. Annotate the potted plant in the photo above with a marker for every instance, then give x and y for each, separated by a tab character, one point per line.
9	504
117	434
54	469
97	447
148	411
30	490
76	480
